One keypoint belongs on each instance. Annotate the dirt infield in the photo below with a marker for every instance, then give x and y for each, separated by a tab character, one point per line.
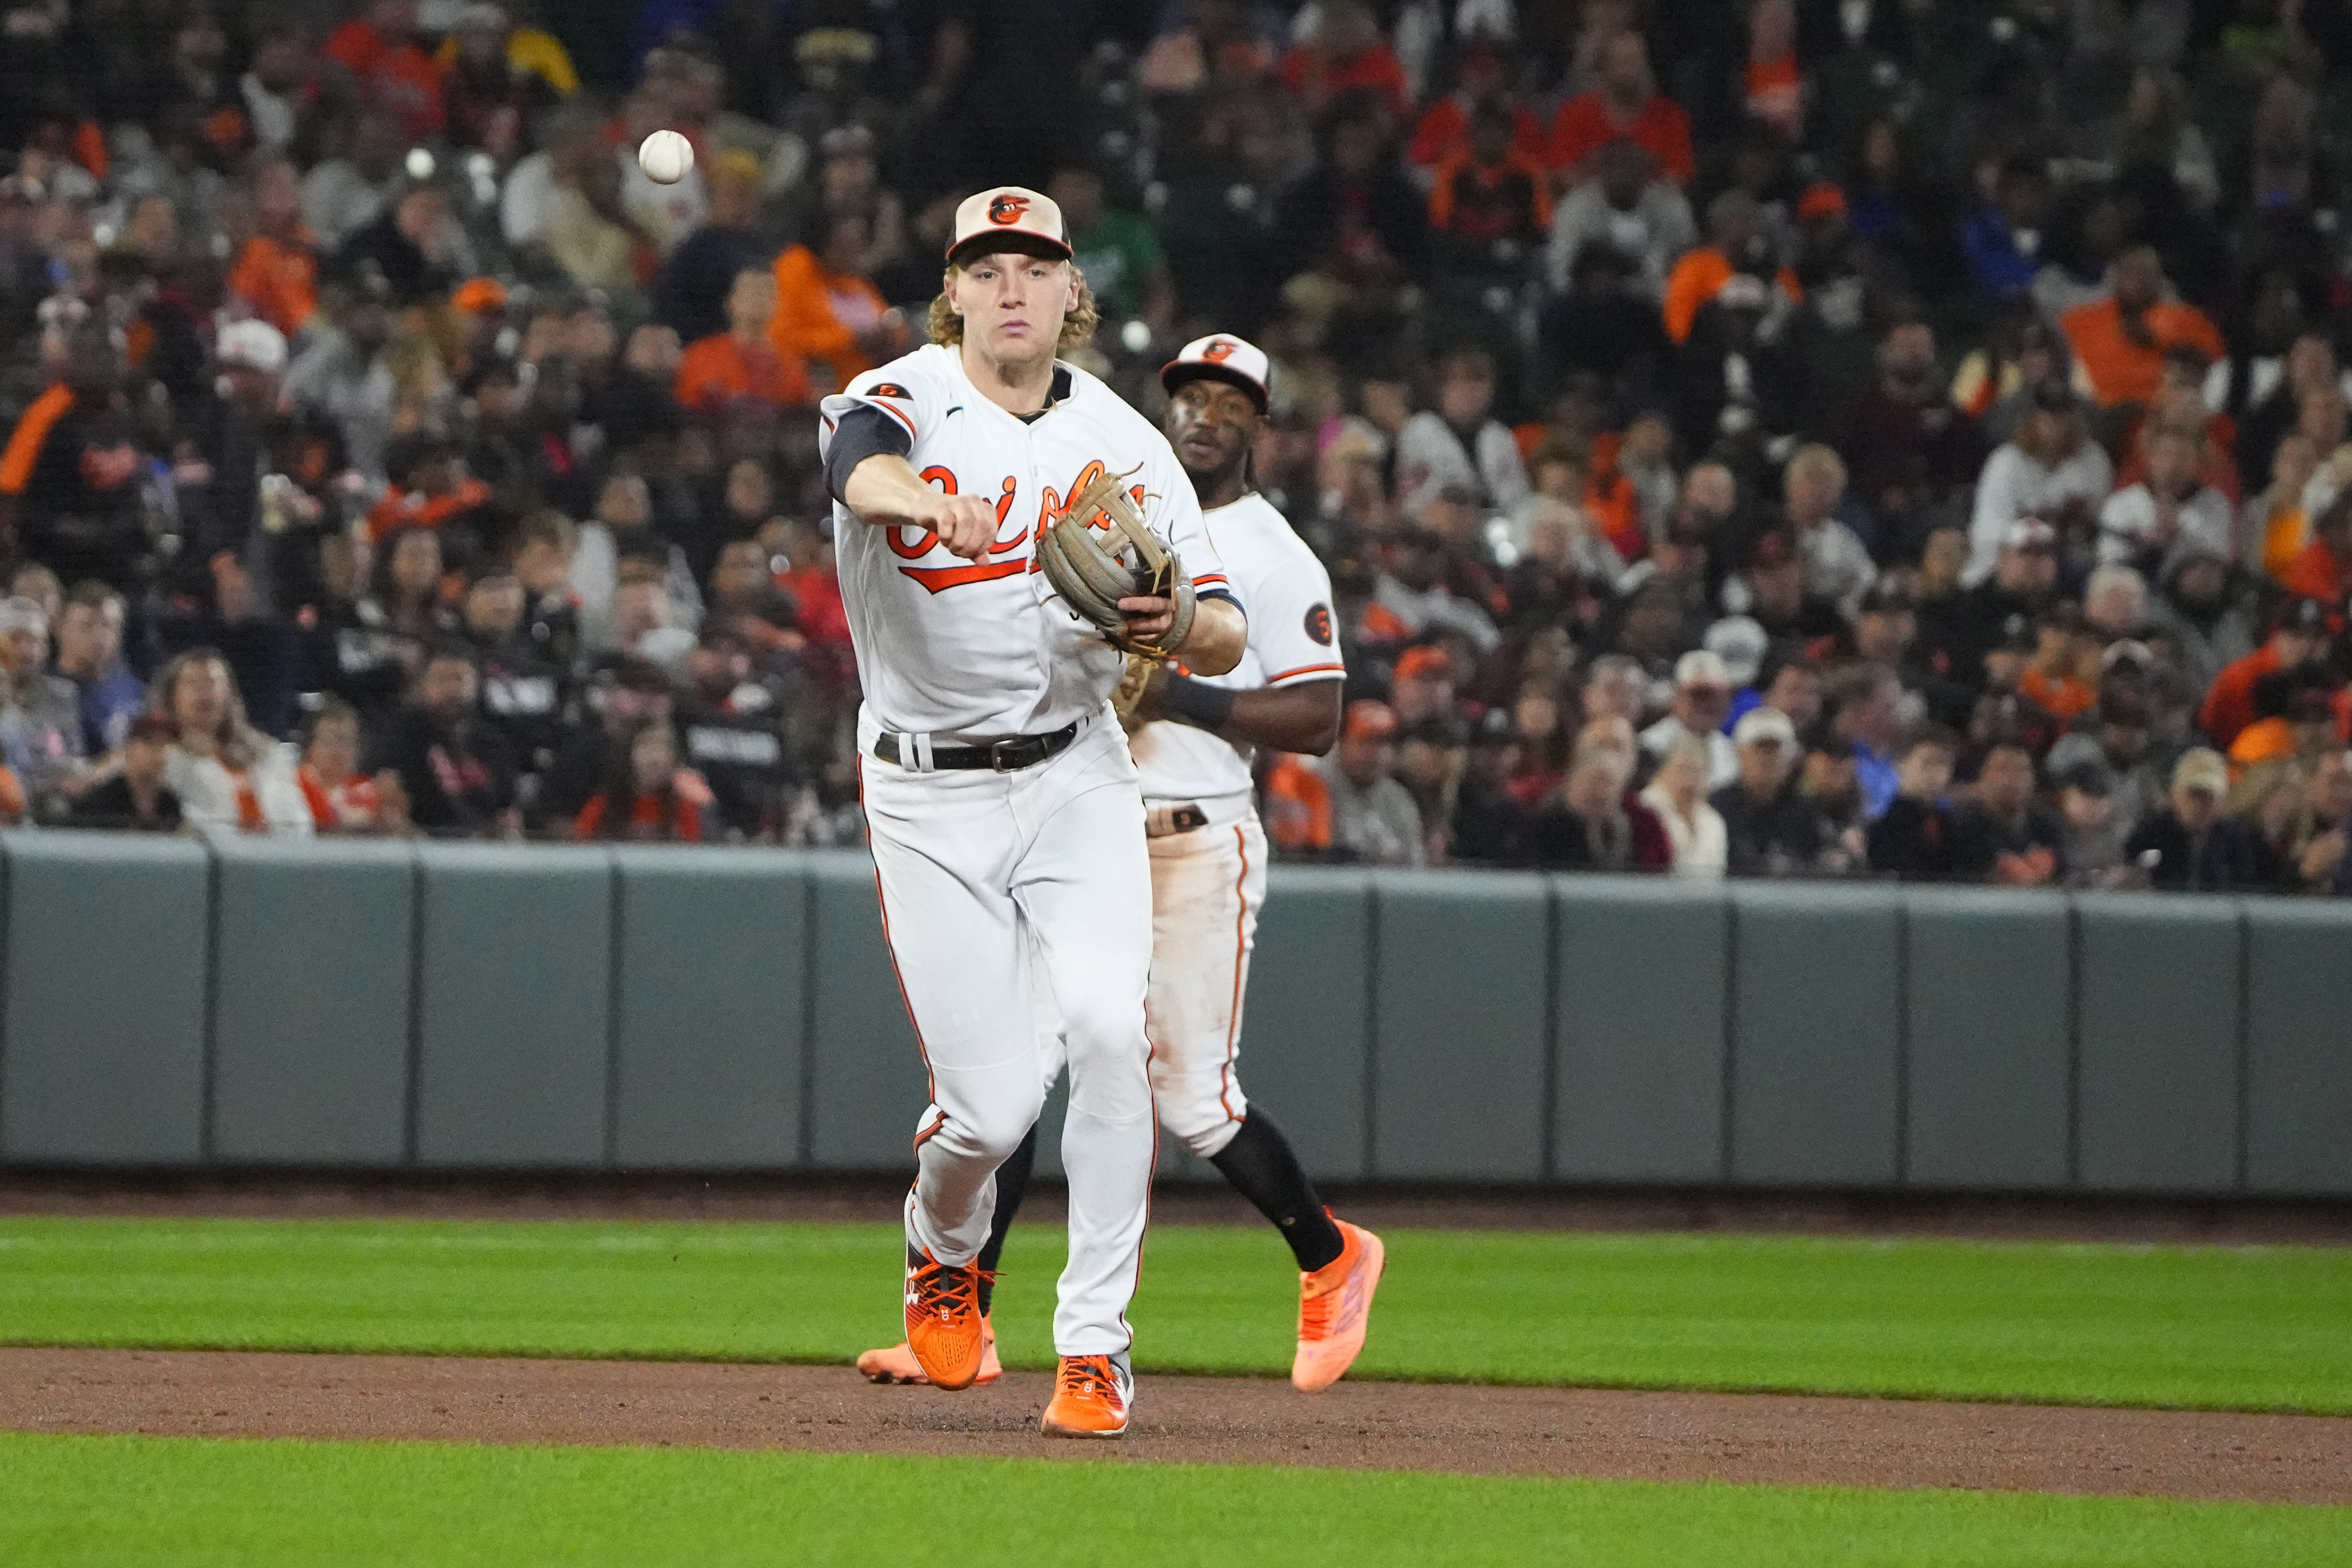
280	1195
1354	1426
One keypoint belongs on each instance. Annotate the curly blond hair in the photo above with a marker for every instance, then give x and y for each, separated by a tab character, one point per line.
945	327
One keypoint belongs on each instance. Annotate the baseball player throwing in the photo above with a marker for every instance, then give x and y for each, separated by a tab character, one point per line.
1208	863
1001	804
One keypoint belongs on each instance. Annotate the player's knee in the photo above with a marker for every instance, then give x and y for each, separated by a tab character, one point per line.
1200	1124
1102	1021
995	1129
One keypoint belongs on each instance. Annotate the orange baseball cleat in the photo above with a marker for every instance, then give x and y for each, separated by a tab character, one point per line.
945	1331
1092	1397
898	1363
1335	1306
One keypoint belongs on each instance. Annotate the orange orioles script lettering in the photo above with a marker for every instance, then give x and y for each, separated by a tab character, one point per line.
939	579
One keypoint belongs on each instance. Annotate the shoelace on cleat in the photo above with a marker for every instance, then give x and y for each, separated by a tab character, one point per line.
946	1294
1318	1313
1090	1377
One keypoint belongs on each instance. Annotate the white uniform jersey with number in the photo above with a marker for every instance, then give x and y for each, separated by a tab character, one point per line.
985	649
1292	642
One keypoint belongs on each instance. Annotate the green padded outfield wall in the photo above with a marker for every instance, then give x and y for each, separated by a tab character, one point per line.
1308	1015
866	1084
171	1003
1987	1039
2298	1047
312	1010
1816	1027
2159	1045
103	1035
514	1011
711	1011
1460	1029
1641	1029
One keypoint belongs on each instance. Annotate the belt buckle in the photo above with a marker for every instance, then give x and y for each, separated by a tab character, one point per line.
1000	756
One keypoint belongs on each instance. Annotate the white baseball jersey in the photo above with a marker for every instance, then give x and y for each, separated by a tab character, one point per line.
1292	642
986	649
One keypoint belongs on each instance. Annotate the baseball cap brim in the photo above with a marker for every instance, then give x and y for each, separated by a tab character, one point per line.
1176	373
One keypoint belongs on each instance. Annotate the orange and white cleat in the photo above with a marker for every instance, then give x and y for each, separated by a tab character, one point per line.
898	1363
1334	1307
946	1333
1092	1397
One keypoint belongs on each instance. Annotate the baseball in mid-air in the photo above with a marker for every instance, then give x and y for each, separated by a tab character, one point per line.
666	156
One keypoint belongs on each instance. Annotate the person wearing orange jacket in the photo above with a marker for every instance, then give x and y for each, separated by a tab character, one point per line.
2120	342
2299	637
743	364
275	276
827	312
1735	238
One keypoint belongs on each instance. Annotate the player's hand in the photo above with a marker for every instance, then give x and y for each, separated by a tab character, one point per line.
1147	619
965	524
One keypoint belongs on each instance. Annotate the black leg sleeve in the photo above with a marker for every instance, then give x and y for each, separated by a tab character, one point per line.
1260	1164
1012	1185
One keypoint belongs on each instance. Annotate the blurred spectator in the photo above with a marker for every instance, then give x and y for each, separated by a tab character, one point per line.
454	772
1586	825
2299	637
343	799
829	314
2322	571
1117	250
1626	207
2169	511
742	365
1770	827
1913	838
1701	706
2189	844
1625	102
89	655
224	772
1373	819
2120	342
2003	835
1459	444
1678	793
690	293
136	798
41	730
2051	471
380	51
649	798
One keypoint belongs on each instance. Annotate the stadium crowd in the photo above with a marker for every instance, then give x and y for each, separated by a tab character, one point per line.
1783	437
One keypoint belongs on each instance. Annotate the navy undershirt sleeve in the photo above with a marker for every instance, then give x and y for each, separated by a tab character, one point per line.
858	435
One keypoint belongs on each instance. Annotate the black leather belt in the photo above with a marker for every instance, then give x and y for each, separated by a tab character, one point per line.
1001	757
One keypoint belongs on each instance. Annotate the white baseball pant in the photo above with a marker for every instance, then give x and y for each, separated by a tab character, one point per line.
1207	887
1009	899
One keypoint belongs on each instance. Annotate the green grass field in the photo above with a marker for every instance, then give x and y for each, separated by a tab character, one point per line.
2254	1328
122	1502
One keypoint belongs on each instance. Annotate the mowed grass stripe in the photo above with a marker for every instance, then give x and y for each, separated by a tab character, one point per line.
2253	1327
122	1502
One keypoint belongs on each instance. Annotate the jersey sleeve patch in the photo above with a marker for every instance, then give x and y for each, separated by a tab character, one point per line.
1319	623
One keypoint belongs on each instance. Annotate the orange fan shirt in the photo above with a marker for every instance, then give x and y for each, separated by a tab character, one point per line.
716	371
2122	370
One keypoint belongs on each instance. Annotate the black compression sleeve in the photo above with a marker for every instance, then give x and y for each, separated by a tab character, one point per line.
1012	1184
1197	702
1260	1164
858	435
